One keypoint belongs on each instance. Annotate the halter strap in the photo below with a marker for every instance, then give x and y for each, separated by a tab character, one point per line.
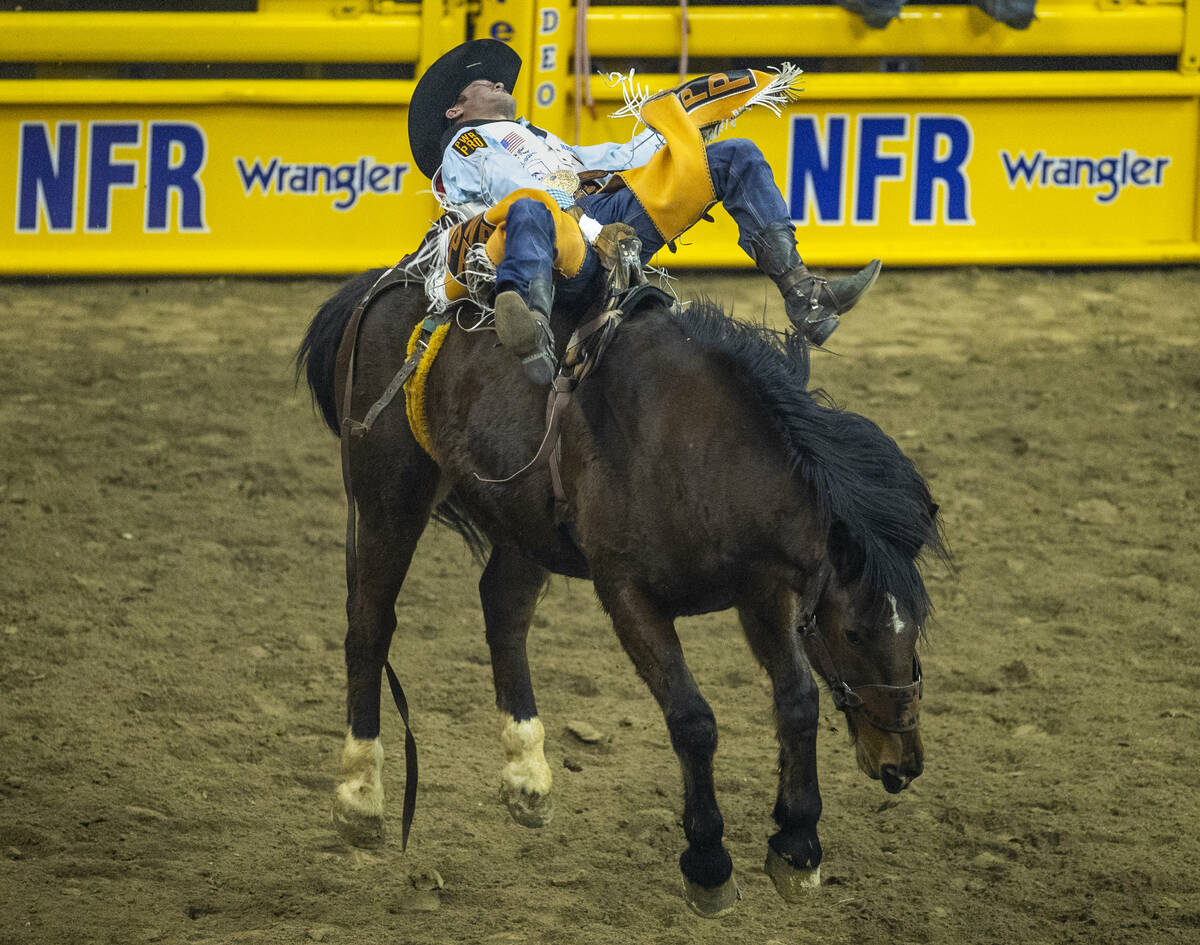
888	708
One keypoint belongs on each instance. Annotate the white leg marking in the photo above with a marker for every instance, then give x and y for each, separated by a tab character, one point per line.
524	752
525	781
897	623
361	789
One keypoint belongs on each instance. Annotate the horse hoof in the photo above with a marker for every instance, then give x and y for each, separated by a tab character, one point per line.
529	810
793	884
357	828
712	903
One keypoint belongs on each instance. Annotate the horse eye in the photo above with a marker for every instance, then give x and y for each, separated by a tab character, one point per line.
853	638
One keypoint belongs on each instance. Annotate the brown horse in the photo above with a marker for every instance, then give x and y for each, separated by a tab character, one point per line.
700	474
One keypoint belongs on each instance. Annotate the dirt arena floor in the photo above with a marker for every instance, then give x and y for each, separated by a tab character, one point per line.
171	690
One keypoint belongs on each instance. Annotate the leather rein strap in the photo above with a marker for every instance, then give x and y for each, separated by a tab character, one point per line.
585	348
888	708
578	362
351	428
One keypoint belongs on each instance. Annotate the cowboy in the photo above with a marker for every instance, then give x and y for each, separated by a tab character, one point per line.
463	129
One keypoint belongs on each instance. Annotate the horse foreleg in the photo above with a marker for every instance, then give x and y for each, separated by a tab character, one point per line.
794	852
650	640
389	526
509	590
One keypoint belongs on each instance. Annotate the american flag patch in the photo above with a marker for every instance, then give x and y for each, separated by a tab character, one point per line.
512	142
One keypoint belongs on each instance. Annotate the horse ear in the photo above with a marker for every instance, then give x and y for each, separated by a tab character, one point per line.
846	552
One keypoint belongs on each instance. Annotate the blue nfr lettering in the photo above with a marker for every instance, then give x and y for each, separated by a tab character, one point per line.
873	166
105	172
46	179
816	170
165	175
933	133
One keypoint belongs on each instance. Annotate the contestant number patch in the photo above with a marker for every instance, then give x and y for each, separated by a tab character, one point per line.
468	143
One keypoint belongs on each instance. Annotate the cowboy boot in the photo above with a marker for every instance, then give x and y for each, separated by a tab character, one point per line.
813	305
524	328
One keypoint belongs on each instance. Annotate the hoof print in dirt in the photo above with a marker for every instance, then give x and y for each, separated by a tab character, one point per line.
587	733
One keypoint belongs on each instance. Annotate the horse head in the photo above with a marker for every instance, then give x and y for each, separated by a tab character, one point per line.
862	640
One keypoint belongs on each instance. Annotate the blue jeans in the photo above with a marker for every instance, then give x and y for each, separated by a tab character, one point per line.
742	182
529	250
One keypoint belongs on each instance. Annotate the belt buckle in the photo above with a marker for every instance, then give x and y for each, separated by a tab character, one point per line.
564	180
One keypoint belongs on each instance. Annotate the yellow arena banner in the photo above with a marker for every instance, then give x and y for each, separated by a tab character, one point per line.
300	165
208	187
103	173
1065	178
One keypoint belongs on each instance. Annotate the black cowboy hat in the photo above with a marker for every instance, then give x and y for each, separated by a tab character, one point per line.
439	87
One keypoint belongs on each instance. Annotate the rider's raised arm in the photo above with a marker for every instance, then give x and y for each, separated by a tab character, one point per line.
614	156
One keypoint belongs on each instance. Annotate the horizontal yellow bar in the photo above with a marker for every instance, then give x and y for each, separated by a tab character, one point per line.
324	260
206	92
816	87
890	86
1061	29
328	260
715	256
207	37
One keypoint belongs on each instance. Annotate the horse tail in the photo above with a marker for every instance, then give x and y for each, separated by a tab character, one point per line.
317	355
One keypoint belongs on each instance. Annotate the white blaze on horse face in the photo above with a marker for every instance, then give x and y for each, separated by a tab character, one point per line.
897	623
525	771
361	789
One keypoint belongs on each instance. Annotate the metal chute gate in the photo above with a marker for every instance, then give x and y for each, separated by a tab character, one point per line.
270	136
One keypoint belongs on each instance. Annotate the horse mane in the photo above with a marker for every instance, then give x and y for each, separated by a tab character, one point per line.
878	509
880	515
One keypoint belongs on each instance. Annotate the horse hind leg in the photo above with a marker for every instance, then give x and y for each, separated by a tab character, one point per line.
392	517
794	852
358	797
509	590
649	638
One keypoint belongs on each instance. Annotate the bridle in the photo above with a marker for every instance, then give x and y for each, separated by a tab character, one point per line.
889	708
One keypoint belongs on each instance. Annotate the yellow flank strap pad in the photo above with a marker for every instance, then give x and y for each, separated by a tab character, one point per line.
414	387
675	187
489	229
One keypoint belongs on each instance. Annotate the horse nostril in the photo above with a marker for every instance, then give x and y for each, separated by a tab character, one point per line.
893	783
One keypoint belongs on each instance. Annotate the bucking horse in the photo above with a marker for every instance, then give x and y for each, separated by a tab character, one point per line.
692	470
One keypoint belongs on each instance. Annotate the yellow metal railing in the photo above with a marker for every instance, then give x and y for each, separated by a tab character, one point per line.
283	31
296	31
1189	57
1063	28
999	86
207	37
392	32
314	174
207	91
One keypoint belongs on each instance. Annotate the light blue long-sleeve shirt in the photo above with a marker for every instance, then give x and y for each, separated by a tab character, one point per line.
485	163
